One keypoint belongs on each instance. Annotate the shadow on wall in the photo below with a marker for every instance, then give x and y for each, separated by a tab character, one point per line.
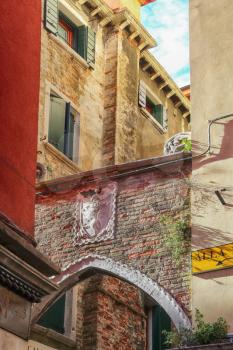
211	275
225	150
204	237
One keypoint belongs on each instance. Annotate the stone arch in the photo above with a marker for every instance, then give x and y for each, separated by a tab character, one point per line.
75	272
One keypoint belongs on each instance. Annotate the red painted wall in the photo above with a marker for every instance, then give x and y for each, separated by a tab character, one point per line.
20	24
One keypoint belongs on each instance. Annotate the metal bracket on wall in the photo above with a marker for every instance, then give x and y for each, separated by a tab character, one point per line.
219	194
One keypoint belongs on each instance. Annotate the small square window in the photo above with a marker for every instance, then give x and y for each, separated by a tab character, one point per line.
155	109
147	101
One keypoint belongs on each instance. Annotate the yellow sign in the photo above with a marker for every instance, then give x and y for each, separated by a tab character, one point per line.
215	258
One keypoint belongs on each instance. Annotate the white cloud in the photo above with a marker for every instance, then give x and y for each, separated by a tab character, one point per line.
167	21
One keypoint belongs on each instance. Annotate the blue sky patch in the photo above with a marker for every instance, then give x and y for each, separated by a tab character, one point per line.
168	22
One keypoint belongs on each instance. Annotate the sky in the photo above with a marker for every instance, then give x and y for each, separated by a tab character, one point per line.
168	22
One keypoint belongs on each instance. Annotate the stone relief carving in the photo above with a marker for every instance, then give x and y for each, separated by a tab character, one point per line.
95	215
174	144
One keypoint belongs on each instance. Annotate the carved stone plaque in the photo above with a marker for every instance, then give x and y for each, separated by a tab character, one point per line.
14	313
95	215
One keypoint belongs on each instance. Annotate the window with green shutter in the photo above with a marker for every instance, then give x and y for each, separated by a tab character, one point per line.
156	110
62	118
148	102
79	37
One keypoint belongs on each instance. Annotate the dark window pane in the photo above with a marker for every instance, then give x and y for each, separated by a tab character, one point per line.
160	322
69	132
81	41
54	318
156	110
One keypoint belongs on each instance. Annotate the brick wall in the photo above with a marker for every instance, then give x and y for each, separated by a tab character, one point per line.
110	315
137	238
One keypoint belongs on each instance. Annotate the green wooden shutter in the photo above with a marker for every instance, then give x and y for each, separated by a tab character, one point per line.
142	94
68	132
160	322
85	44
51	15
81	41
76	141
158	113
90	46
54	317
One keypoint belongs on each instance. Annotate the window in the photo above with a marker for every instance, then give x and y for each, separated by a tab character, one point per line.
72	35
159	321
156	110
62	125
54	317
149	103
61	315
79	37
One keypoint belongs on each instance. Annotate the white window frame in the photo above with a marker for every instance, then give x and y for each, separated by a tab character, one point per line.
71	13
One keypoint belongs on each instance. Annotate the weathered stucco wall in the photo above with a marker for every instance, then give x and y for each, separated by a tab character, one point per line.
211	85
133	5
32	345
11	341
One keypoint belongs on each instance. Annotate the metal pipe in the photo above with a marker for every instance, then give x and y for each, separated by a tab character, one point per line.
210	124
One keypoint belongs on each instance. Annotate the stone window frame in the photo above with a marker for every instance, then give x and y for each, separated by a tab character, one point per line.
149	329
72	13
71	313
45	334
52	88
162	128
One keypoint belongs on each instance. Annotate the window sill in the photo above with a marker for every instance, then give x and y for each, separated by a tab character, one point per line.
51	338
155	123
60	156
65	46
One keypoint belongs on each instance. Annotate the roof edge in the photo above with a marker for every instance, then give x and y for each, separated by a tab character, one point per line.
112	172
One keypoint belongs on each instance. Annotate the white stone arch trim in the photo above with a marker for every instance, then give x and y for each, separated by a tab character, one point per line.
72	273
